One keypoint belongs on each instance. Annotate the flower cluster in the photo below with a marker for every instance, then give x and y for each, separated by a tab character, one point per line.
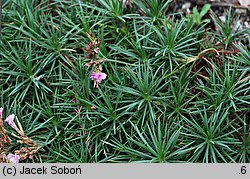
97	77
13	158
5	141
93	47
92	50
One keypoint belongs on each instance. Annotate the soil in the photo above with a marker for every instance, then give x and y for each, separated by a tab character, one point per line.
220	7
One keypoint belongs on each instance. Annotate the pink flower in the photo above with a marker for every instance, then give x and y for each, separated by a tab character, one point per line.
1	113
14	158
98	77
10	121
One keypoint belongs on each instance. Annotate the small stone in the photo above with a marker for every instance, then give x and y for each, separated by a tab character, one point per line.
187	5
244	2
241	11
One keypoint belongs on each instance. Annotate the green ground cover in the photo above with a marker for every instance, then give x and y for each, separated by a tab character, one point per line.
124	81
